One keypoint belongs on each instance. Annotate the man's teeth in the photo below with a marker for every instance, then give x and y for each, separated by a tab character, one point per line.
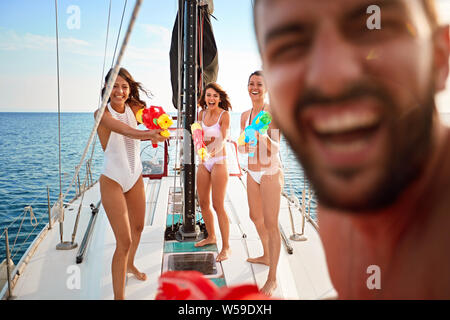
343	122
352	146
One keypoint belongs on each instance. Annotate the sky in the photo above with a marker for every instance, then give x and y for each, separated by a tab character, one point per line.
28	76
27	42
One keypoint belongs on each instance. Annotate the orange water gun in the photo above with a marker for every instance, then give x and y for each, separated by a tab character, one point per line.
155	117
199	143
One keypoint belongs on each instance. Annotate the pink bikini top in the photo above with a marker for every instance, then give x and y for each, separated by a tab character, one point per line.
214	130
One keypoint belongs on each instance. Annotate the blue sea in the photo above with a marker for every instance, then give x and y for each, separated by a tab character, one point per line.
29	164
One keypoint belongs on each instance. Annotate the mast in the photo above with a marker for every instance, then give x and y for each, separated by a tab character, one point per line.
190	45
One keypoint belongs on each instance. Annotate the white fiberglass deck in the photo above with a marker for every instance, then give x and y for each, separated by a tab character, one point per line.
53	274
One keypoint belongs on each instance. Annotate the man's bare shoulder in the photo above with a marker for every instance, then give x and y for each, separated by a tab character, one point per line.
436	199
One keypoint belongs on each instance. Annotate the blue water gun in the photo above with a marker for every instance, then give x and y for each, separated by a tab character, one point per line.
260	123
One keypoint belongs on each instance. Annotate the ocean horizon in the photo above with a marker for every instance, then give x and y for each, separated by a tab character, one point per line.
29	163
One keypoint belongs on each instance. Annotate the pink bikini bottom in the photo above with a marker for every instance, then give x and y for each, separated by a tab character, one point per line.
209	164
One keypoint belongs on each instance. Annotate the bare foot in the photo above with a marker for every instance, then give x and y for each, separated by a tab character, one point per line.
269	287
205	242
260	260
139	275
223	255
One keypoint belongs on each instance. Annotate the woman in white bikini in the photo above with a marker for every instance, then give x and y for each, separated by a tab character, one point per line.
212	174
264	182
121	183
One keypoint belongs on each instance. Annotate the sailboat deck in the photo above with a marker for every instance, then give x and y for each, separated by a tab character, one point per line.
54	274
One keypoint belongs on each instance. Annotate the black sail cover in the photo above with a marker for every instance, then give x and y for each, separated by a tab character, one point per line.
210	57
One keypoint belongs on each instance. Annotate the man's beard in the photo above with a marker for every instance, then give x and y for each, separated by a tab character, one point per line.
409	145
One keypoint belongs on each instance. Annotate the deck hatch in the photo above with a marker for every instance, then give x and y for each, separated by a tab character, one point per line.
204	262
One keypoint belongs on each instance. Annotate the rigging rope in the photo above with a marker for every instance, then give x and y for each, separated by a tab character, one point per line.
118	34
59	96
103	73
106	47
104	61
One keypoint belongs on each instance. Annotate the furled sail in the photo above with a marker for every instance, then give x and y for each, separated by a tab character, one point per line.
207	61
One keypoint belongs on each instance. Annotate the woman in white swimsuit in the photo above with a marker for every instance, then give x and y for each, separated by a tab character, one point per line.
264	182
212	174
121	183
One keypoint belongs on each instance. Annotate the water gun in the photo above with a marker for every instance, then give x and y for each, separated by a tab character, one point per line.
192	285
259	124
197	136
155	117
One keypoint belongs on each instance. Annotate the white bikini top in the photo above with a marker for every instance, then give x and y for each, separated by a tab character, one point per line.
249	116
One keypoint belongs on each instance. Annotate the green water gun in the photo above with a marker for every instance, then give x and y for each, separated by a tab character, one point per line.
259	124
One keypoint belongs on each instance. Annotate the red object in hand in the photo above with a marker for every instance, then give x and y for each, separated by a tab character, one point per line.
199	143
150	117
192	285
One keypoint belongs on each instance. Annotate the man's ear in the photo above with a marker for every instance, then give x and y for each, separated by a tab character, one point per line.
441	56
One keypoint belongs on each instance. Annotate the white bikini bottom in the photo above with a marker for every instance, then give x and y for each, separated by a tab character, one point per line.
257	175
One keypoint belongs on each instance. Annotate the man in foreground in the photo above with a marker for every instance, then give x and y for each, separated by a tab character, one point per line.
356	102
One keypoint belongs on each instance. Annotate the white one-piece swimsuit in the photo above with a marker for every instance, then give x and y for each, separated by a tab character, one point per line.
122	160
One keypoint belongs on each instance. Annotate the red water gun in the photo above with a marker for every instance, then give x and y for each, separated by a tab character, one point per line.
192	285
155	117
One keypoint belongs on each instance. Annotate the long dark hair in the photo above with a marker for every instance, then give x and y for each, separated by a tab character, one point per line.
224	103
135	87
256	73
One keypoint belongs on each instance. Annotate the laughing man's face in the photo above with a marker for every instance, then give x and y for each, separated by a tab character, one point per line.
355	104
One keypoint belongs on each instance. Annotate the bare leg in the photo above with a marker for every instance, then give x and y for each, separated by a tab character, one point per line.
219	181
256	215
115	207
204	193
271	193
135	198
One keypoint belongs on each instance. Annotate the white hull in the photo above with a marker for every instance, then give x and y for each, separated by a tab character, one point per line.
54	274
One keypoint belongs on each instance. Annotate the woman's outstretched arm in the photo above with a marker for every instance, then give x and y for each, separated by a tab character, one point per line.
117	126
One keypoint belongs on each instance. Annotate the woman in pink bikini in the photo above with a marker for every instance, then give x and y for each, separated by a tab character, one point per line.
212	174
121	184
264	182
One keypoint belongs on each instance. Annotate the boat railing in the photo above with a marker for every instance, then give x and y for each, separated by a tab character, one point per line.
235	149
306	203
305	211
154	167
304	208
15	236
9	272
57	210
